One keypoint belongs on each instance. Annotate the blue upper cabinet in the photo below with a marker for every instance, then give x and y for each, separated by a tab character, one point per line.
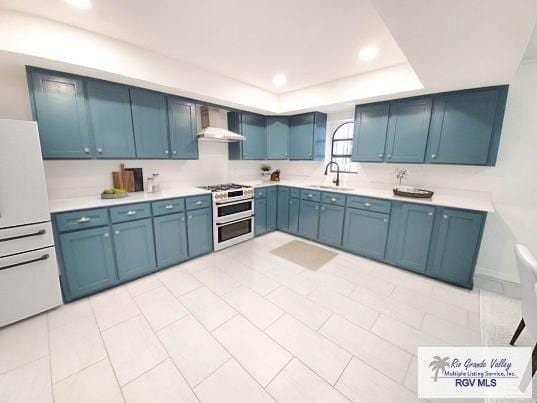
253	128
59	106
307	136
183	129
277	137
283	208
111	119
410	235
408	129
150	120
466	126
370	128
455	245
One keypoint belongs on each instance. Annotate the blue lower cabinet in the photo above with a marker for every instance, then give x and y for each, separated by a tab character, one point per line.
88	261
260	208
283	208
170	239
365	232
200	231
455	245
308	225
294	210
410	235
272	208
135	248
331	224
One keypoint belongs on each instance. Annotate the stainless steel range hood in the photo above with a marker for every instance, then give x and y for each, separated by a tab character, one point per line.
214	126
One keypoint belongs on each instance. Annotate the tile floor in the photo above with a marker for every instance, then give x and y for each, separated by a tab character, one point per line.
240	325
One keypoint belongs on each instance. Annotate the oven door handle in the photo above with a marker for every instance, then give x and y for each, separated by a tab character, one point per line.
219	224
221	203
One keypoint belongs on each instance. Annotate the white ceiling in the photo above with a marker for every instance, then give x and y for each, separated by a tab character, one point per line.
311	41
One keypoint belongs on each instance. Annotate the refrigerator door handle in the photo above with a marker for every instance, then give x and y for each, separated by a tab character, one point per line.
10	266
40	232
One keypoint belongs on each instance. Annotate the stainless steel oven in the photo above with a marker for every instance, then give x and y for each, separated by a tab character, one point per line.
233	232
231	211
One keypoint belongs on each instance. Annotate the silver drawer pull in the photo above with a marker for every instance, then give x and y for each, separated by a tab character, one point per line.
316	207
367	204
310	195
83	220
40	232
106	235
385	220
169	206
333	199
131	212
445	216
9	266
116	232
199	202
190	217
430	213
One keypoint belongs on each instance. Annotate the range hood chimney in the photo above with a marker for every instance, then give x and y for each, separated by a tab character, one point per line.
214	126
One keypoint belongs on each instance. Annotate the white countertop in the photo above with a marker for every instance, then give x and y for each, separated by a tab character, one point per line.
478	201
80	203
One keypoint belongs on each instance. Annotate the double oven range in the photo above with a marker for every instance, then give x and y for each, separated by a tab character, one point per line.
233	214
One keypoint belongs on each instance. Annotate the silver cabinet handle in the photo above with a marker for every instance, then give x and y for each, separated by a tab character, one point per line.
199	202
381	155
430	213
285	155
433	155
322	208
166	152
316	207
385	220
174	152
168	206
190	217
310	154
100	150
333	199
445	216
86	150
389	156
367	204
83	220
116	232
310	195
290	202
182	218
131	212
106	235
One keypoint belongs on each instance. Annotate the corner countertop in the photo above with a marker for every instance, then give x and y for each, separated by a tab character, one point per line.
81	203
477	201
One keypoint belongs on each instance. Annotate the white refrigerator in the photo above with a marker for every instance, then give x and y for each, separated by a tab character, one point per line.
29	276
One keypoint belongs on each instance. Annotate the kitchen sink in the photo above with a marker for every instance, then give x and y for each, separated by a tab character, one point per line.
328	187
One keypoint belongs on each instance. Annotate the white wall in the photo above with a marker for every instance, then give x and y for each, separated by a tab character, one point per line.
511	182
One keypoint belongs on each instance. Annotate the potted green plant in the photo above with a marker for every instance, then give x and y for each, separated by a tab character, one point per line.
265	170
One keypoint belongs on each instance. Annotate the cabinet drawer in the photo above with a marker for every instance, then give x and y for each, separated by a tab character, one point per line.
168	206
312	195
260	193
333	198
366	203
294	192
196	202
130	212
81	219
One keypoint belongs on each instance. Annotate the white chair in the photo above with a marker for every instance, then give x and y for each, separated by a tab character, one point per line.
527	270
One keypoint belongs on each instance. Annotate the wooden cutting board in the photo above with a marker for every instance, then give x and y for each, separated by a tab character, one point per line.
123	179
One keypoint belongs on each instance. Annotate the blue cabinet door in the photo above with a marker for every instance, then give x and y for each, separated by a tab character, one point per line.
462	127
365	232
283	208
111	119
88	261
410	235
308	224
294	210
272	208
331	224
260	208
200	231
455	245
301	136
60	109
183	129
408	129
370	127
150	121
254	147
170	239
277	137
135	248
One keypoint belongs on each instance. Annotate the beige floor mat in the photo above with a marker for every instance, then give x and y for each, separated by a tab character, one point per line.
304	254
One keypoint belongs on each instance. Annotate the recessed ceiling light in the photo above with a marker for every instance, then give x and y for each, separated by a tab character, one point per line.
279	79
368	53
85	4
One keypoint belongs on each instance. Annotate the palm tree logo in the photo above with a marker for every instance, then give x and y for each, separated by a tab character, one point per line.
438	364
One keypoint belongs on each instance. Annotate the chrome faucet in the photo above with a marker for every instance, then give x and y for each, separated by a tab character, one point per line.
337	176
